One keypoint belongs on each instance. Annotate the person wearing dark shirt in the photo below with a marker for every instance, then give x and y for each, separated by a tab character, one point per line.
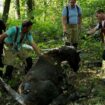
2	29
100	15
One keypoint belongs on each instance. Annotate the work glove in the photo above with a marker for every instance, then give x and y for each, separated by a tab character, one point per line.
64	36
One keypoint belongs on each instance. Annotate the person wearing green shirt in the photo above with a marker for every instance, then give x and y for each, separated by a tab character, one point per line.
13	38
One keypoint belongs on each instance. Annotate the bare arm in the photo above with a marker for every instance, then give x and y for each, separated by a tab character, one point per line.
2	37
64	23
92	31
79	21
36	49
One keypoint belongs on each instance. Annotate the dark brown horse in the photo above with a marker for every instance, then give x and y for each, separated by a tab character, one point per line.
43	83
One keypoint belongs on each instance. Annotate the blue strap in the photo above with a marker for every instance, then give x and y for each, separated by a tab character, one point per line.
67	9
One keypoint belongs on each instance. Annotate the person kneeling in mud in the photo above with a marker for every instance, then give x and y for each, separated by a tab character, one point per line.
13	38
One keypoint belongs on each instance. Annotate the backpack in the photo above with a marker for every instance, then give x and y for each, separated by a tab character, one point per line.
15	39
2	26
67	9
17	30
16	35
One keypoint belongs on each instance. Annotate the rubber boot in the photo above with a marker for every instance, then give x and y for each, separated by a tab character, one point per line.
28	64
9	72
1	63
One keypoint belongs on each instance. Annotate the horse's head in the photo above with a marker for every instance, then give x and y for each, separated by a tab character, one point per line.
66	53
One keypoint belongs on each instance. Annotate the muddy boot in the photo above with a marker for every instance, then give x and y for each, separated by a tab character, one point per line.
1	73
8	72
28	64
1	63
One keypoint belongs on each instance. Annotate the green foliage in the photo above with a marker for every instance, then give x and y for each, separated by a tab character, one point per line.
13	22
45	31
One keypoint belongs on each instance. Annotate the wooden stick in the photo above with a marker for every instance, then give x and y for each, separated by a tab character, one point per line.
13	93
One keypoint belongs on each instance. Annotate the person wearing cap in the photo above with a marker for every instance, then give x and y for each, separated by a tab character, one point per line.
13	38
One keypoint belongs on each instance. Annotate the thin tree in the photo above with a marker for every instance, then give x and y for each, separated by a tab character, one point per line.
17	5
6	10
29	8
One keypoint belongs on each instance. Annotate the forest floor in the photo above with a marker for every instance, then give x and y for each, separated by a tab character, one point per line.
85	80
88	80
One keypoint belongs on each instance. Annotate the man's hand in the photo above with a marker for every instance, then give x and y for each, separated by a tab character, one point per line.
91	31
65	34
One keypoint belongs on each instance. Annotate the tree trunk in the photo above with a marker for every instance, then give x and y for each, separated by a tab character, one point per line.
45	11
6	10
30	9
17	8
